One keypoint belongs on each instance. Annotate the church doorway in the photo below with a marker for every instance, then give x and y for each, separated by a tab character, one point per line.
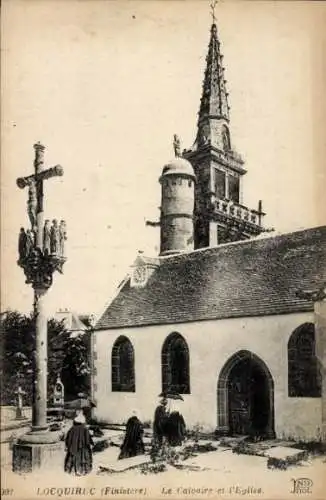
245	397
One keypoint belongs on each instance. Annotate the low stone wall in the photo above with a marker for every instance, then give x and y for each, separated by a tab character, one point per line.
8	413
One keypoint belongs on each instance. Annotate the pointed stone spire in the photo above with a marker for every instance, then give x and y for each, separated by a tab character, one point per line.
213	116
214	101
218	168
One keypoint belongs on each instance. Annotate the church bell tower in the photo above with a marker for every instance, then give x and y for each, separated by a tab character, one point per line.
220	215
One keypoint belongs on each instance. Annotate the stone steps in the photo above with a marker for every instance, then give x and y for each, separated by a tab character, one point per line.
123	465
280	454
281	457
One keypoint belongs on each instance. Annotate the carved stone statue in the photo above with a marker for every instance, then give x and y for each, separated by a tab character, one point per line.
55	238
47	238
176	145
63	237
32	204
22	244
19	407
29	242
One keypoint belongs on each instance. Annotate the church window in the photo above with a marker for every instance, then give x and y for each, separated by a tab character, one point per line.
226	138
175	365
303	372
123	366
220	186
234	188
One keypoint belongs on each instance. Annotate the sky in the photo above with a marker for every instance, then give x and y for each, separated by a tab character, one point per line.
104	85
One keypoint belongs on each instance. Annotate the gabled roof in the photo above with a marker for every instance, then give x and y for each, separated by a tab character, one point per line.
250	278
73	322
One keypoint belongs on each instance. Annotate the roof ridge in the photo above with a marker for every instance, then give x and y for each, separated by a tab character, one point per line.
241	242
219	284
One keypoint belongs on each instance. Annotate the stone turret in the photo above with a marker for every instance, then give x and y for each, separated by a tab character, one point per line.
177	206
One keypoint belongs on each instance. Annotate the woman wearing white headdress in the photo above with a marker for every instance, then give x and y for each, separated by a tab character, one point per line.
79	444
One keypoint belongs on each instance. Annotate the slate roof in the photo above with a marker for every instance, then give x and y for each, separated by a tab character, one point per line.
251	278
73	322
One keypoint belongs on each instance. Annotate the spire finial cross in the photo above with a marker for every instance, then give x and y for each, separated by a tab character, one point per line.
212	6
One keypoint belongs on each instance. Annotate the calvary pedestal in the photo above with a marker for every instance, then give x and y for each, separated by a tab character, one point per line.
41	252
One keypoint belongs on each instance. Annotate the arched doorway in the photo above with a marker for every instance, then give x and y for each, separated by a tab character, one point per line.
245	397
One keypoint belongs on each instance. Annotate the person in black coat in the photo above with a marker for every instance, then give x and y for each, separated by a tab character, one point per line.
79	443
133	441
175	429
160	419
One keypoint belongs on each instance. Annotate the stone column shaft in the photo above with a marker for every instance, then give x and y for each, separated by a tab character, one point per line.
40	375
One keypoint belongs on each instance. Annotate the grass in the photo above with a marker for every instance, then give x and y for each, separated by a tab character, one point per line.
314	448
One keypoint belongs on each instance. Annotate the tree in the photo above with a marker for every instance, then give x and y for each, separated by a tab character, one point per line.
67	356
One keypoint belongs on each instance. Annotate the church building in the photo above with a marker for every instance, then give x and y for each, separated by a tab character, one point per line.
217	316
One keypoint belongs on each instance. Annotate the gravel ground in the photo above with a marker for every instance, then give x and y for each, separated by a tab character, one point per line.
219	473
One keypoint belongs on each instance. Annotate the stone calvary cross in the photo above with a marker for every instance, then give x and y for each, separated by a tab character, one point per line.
39	261
35	183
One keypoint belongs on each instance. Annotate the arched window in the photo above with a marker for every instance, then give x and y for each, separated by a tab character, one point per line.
123	366
175	365
226	138
303	372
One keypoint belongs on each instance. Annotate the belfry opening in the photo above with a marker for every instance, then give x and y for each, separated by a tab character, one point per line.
245	397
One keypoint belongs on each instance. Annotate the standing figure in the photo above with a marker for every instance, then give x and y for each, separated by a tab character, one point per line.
79	457
47	238
133	442
176	145
19	407
30	240
160	418
32	204
22	244
62	237
55	238
175	429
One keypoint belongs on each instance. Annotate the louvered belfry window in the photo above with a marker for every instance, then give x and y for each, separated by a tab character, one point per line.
123	366
304	380
175	365
220	184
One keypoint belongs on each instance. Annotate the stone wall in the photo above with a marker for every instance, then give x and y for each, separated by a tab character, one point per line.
8	413
211	344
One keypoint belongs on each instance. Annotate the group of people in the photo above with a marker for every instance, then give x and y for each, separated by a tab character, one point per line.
168	427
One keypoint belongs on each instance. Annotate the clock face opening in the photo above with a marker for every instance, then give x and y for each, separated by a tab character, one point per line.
140	274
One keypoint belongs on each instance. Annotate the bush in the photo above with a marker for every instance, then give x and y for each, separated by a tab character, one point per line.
66	355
